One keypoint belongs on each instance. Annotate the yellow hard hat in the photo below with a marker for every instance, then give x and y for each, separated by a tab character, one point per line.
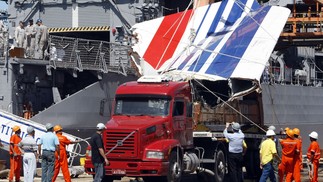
15	128
286	129
290	133
296	131
58	128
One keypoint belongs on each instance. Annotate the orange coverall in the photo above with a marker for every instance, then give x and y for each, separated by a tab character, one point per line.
15	158
314	148
289	147
62	161
298	161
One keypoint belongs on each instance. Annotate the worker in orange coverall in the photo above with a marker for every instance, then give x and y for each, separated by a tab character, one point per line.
298	157
61	161
313	155
289	150
15	155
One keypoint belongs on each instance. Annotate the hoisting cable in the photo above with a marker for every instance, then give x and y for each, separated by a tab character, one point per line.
120	142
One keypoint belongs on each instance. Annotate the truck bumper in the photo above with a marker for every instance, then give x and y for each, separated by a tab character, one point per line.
131	168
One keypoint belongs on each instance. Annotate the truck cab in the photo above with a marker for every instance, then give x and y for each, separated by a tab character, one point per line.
150	128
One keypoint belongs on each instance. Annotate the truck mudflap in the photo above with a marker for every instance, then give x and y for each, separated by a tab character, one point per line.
130	168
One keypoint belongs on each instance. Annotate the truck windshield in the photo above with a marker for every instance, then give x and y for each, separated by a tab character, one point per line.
142	106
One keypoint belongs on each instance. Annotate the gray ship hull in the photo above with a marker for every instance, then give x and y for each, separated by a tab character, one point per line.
294	106
81	111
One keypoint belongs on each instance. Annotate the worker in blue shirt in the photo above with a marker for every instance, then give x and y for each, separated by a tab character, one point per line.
47	145
237	148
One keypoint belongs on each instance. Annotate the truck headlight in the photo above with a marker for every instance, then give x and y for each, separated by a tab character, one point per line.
154	155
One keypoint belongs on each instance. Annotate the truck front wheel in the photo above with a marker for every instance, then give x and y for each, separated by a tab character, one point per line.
175	168
219	166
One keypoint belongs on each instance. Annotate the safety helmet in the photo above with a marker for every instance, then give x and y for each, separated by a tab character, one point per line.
49	126
296	131
58	128
15	128
30	129
314	135
39	20
290	133
286	129
236	126
100	126
270	133
272	127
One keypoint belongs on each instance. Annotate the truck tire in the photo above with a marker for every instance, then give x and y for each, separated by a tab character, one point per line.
219	169
175	168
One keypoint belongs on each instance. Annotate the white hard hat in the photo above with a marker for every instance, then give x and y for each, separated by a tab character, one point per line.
30	129
236	126
272	127
100	126
49	126
270	133
314	135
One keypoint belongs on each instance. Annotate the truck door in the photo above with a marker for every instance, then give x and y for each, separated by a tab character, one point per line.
178	121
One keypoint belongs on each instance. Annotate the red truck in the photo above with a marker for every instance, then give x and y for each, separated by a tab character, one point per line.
161	129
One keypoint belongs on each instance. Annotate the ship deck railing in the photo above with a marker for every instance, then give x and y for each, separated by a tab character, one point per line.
273	75
79	55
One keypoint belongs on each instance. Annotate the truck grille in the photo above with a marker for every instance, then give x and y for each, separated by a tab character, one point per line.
124	149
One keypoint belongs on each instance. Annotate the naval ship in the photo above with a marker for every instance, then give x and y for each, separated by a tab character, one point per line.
88	57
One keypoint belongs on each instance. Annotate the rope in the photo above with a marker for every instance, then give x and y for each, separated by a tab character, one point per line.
230	106
77	151
120	144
